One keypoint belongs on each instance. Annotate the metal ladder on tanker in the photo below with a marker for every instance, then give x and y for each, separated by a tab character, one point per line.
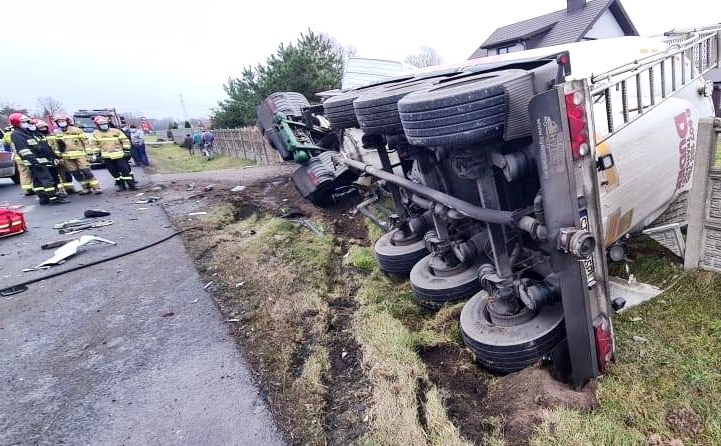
646	83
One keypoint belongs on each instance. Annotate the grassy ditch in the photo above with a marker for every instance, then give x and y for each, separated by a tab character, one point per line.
171	158
345	356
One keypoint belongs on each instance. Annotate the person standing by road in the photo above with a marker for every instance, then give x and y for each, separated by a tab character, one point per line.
137	139
38	156
197	141
208	140
73	142
114	146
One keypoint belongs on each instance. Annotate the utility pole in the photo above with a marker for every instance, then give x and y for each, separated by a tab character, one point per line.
182	103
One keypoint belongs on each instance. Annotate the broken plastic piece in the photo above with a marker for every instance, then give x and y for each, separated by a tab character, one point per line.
70	249
238	189
76	229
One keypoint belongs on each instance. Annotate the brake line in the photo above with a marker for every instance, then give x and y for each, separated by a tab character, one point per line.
22	287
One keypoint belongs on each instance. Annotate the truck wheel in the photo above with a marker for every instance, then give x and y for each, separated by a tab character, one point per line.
377	111
288	102
398	259
432	292
16	175
467	109
510	349
339	109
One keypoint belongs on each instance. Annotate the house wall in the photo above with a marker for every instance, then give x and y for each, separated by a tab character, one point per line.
605	27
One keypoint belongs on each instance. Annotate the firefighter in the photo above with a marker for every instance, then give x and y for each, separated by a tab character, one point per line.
63	180
72	143
26	180
115	149
37	154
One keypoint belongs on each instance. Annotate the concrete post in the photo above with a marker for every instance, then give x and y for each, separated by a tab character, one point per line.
708	129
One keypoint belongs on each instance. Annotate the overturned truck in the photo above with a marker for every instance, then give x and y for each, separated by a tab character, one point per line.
512	178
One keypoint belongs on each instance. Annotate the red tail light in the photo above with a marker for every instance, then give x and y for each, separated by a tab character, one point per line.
313	178
604	341
577	124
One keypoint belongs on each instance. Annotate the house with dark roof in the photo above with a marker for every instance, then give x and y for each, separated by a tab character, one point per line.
581	20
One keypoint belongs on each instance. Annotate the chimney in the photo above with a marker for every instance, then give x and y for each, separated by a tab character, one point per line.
575	5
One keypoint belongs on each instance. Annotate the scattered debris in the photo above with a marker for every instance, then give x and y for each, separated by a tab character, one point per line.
240	284
293	213
148	200
191	186
68	250
198	213
142	209
93	213
307	224
233	320
208	188
207	285
636	319
157	189
140	194
168	314
77	228
238	189
70	223
640	339
195	301
54	244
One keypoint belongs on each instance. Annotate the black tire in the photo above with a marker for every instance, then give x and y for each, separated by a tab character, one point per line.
339	109
398	259
377	111
433	292
467	109
16	175
510	349
288	102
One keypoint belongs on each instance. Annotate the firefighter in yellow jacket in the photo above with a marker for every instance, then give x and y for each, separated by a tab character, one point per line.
26	179
115	149
72	143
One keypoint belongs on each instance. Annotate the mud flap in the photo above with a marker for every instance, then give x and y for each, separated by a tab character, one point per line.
561	209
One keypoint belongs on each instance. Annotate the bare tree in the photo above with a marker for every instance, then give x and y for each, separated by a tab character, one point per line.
48	105
345	52
7	108
427	57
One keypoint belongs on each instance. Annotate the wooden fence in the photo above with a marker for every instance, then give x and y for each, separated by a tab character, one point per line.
245	143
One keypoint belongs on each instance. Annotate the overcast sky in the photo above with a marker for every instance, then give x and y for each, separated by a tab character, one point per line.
140	56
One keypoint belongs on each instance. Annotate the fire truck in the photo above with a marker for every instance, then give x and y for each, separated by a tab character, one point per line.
513	179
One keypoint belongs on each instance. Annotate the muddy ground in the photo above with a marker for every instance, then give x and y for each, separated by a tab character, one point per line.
335	408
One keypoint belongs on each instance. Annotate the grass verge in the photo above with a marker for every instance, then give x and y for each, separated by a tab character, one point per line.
170	158
665	388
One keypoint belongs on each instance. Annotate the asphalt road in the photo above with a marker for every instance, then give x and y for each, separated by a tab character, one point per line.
128	352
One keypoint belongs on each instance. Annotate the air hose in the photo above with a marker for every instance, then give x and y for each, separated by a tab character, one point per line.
22	287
